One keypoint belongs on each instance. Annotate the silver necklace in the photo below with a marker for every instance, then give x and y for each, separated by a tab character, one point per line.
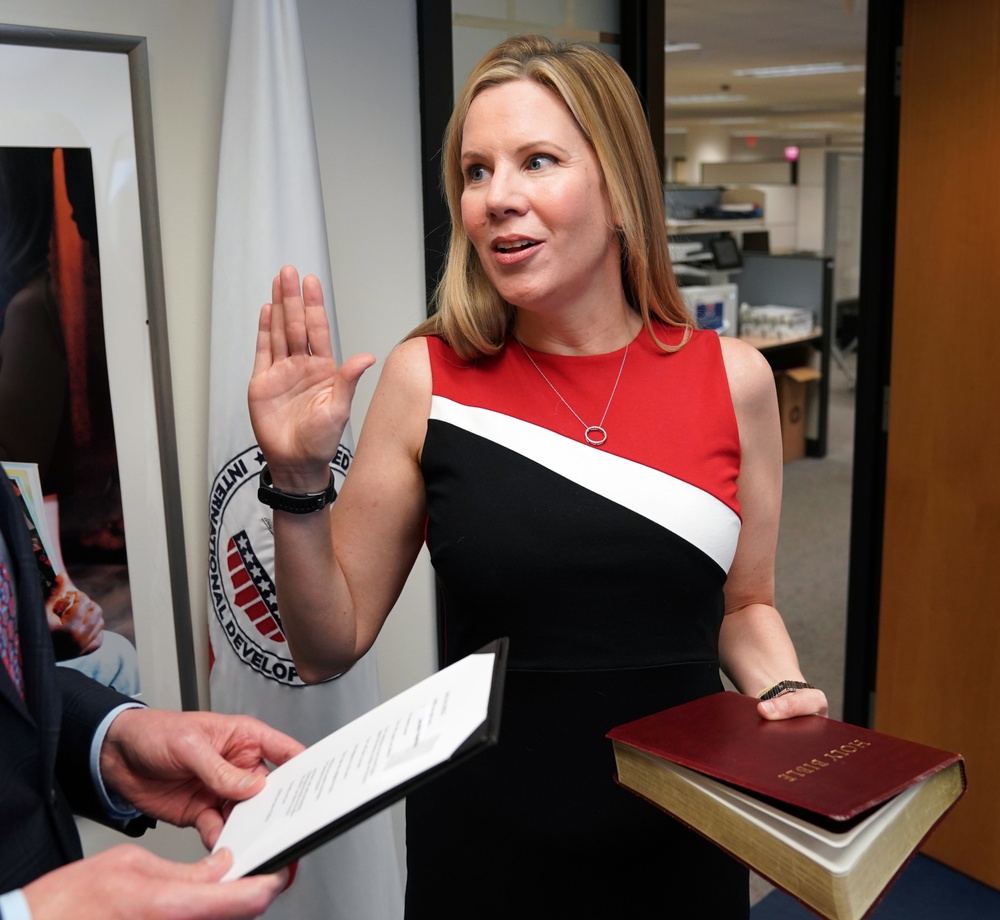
594	435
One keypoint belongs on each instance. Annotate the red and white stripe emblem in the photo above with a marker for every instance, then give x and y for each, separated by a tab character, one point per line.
253	589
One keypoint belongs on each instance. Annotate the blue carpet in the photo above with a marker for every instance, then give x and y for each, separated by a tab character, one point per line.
926	889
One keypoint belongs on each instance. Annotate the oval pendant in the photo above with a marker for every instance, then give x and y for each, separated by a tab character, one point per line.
595	435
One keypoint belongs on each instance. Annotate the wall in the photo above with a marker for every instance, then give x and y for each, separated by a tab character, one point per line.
369	144
363	73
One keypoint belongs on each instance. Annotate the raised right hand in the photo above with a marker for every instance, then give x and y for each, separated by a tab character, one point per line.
300	400
128	882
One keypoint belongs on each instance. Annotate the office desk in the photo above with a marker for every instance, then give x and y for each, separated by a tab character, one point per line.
810	350
771	345
799	280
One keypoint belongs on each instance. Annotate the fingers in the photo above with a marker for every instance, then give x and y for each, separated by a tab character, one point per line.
277	747
277	341
209	825
128	882
224	779
263	357
193	891
317	324
352	369
294	322
306	330
790	705
252	742
242	897
290	299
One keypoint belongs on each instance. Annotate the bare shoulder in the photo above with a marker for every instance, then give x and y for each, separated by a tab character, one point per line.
409	366
751	380
401	402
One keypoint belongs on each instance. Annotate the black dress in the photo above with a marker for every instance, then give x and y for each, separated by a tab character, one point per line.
604	566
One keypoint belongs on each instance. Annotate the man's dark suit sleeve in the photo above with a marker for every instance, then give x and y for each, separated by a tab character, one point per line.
85	703
45	738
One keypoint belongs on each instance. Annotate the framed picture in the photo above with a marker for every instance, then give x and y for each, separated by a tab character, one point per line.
85	391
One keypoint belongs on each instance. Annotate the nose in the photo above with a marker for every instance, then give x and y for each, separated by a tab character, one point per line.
505	193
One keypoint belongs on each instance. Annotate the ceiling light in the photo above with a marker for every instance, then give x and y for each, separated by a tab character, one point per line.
705	99
673	47
798	70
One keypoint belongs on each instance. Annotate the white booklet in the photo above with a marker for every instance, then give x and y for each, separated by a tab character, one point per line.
27	487
369	763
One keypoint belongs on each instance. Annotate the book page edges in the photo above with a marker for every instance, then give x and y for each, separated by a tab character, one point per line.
712	735
841	886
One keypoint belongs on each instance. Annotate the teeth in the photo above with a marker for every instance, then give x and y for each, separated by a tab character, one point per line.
510	247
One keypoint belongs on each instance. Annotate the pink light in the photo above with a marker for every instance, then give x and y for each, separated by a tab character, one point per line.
791	154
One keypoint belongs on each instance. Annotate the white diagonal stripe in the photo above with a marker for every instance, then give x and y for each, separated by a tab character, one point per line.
686	510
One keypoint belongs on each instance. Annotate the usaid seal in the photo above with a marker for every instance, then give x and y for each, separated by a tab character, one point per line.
241	563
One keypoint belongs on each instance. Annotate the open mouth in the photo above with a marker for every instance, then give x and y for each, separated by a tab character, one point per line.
515	245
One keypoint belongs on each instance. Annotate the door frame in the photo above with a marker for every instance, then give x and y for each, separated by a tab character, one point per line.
875	304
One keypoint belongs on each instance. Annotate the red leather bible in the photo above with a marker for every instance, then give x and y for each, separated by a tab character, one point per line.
828	811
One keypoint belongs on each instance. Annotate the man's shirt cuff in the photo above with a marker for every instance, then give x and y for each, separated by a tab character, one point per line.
14	906
118	808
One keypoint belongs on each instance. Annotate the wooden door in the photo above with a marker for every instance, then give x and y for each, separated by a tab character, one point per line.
938	674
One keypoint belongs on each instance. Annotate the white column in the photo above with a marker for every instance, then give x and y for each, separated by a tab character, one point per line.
705	144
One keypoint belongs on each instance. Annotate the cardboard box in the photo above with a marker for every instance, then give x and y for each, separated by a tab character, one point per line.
793	405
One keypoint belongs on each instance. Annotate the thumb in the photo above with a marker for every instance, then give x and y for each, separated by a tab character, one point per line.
213	867
352	369
232	782
225	779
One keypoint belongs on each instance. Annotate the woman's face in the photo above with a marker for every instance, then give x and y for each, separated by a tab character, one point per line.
534	203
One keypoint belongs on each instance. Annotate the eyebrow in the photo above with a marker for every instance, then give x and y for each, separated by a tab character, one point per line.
521	149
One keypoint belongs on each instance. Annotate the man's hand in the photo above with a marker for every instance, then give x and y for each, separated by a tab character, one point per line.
184	767
129	883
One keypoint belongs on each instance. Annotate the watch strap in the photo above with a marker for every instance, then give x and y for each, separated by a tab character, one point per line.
293	502
782	687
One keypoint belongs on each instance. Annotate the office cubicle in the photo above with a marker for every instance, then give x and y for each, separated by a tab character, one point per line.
797	280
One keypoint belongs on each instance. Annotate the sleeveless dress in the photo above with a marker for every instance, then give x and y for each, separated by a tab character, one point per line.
604	566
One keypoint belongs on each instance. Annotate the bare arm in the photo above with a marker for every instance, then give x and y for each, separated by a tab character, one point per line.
337	572
754	645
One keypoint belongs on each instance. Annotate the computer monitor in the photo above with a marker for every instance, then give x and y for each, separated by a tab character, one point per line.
725	253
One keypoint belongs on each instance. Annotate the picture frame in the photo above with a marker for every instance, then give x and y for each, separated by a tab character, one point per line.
91	90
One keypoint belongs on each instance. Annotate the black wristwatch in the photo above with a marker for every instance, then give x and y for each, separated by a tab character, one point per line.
293	502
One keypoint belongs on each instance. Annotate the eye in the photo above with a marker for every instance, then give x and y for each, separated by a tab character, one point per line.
475	173
540	161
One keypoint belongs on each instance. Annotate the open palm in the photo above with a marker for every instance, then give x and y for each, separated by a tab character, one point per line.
300	400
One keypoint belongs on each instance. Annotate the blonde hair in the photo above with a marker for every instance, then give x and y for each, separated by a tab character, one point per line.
470	314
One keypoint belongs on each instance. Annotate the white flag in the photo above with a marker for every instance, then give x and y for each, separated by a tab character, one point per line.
270	213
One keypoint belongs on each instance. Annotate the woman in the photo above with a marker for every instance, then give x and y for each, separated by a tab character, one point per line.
578	459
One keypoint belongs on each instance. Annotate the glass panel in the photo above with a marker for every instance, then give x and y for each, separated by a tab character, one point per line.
478	25
599	15
494	9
